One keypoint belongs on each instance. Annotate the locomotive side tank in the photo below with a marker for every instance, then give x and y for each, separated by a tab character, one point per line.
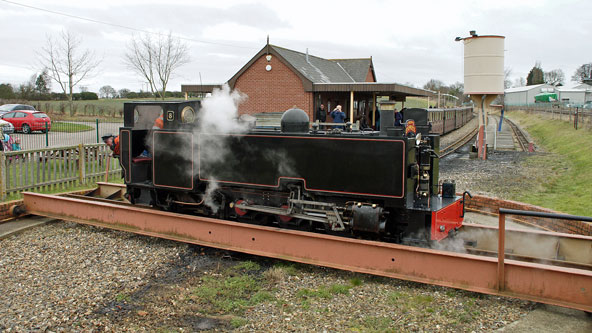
337	181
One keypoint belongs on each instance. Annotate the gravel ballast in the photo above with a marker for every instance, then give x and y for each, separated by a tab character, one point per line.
68	277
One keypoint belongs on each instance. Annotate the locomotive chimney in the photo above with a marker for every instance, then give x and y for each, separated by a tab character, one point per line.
387	116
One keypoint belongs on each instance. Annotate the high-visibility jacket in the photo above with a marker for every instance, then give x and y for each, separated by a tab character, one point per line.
158	123
115	146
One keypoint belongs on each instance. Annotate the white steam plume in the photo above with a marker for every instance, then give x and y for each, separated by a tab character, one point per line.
218	115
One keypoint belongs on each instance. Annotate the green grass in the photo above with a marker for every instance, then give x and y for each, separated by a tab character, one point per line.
122	298
69	127
239	288
106	109
569	188
422	102
324	291
237	322
375	324
52	169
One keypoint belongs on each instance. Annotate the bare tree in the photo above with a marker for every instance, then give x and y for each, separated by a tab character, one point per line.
107	92
582	72
434	85
507	74
66	62
520	82
555	77
156	59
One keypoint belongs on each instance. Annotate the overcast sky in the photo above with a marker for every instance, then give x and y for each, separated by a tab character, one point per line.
411	42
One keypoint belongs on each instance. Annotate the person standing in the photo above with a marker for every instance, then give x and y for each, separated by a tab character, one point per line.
322	114
398	118
338	115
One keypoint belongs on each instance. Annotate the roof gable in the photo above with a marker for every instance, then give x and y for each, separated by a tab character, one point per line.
312	69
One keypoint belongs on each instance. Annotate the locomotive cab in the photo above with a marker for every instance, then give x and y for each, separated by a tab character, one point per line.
142	120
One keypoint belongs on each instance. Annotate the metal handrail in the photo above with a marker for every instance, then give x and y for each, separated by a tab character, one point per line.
501	245
543	214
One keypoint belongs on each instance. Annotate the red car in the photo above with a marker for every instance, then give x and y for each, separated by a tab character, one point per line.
28	121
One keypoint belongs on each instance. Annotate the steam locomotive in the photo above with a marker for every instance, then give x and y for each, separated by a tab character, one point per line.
373	184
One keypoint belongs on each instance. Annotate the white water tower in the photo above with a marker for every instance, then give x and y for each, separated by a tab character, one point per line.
484	75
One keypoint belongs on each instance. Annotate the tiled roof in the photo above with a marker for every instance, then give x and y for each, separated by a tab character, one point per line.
320	70
356	68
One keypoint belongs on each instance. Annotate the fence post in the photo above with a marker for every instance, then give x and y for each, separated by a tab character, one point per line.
501	252
97	121
81	169
46	135
2	175
576	120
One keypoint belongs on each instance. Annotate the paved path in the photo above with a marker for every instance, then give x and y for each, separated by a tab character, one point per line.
37	140
551	319
502	140
21	224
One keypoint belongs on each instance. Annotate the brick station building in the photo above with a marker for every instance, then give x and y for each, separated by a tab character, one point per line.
277	79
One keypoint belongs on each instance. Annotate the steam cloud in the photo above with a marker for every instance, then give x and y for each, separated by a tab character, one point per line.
218	115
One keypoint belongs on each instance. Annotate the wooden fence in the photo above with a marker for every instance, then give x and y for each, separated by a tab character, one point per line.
54	169
580	117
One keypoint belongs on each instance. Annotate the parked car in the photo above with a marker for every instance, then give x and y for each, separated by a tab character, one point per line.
28	121
15	107
7	127
587	105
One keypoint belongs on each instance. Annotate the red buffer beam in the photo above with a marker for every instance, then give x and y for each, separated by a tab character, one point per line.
561	286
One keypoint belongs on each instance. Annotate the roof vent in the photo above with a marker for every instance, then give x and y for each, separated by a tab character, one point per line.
295	120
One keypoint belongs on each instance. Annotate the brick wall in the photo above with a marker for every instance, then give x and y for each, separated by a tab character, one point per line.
493	205
370	77
275	91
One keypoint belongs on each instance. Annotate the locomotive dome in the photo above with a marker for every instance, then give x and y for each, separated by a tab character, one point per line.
295	120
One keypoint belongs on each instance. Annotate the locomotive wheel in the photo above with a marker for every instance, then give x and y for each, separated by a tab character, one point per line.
283	220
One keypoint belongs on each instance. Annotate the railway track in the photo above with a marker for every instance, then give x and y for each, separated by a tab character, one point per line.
556	269
458	143
519	135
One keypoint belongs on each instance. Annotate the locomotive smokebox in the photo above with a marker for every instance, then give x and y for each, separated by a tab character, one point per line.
295	121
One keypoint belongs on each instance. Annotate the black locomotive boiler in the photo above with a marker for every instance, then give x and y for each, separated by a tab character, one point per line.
377	184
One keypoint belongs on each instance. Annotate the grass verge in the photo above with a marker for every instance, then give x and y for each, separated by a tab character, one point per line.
569	188
237	289
70	127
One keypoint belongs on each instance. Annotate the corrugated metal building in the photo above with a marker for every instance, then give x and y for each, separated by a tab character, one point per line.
525	95
577	94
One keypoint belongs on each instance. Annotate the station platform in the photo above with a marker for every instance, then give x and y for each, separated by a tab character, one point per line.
502	140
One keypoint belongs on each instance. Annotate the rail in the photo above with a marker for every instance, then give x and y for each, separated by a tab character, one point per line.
525	143
563	286
54	169
458	143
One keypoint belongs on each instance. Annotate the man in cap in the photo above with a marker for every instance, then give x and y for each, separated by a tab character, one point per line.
112	142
